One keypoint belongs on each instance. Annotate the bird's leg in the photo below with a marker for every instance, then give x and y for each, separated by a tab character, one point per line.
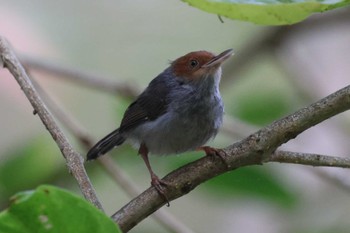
211	151
155	181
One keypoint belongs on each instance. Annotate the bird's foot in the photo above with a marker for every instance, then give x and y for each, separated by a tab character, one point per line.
159	184
211	151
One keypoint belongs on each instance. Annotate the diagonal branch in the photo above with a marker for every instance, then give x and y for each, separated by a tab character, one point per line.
255	149
73	160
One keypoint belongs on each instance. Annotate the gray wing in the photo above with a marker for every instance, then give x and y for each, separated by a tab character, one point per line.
151	104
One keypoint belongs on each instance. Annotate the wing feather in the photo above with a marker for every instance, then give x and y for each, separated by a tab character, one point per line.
151	104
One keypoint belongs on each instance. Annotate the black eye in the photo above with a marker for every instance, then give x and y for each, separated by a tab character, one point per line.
193	63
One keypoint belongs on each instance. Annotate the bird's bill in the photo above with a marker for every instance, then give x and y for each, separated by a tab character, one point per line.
219	59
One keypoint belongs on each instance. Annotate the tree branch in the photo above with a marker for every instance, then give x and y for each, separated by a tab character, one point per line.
73	160
253	150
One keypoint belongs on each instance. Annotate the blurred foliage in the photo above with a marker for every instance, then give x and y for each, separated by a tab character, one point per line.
267	12
263	95
254	181
251	109
29	165
50	209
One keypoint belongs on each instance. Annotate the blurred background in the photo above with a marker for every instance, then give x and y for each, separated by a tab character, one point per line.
275	71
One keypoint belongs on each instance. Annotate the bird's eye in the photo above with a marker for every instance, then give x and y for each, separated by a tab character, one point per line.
193	63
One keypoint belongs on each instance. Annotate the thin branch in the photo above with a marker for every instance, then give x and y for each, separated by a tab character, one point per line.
163	217
254	149
315	160
73	160
89	79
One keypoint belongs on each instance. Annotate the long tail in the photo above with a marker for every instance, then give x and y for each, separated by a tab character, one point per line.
105	144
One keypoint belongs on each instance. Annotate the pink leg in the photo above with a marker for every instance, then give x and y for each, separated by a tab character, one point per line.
155	181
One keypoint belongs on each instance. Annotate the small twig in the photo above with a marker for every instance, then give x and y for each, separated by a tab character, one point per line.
89	79
315	160
254	149
73	160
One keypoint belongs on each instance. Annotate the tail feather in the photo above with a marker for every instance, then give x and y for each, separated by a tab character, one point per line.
105	144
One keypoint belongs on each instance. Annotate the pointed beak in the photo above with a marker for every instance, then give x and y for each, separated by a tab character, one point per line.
219	59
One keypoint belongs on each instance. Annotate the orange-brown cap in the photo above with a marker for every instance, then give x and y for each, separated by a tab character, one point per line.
198	64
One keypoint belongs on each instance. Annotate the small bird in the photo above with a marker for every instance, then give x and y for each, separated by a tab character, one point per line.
179	111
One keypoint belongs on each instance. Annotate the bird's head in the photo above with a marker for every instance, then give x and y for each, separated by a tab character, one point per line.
197	65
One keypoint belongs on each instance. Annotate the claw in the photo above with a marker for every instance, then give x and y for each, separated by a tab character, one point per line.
159	184
211	151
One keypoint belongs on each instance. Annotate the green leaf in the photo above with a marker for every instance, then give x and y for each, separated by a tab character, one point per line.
267	12
50	209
